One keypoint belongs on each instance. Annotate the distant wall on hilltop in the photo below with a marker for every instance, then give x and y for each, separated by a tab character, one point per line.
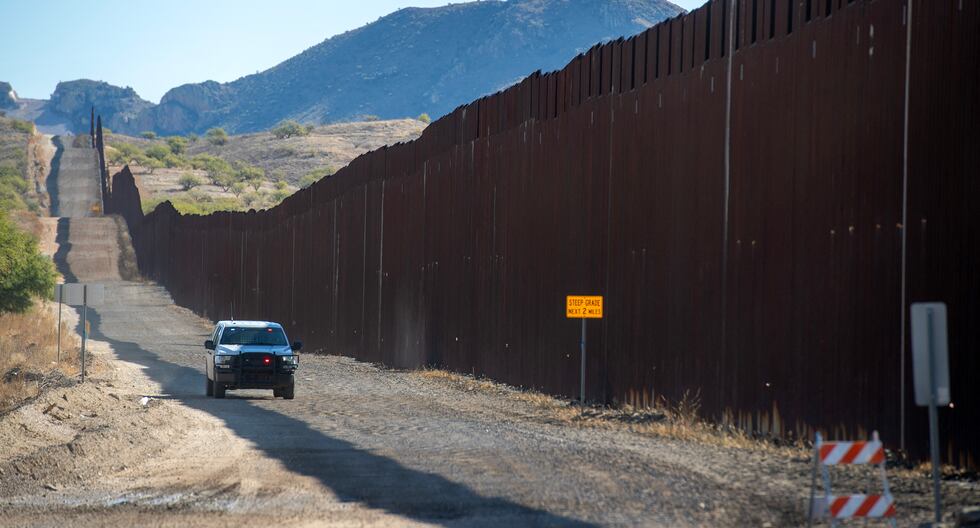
734	182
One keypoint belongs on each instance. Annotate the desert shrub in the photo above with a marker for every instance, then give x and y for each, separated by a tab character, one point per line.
150	164
280	185
280	194
24	127
192	138
149	134
237	188
189	181
251	175
174	161
24	272
219	171
315	175
123	153
424	117
177	144
217	136
278	175
290	128
158	152
13	187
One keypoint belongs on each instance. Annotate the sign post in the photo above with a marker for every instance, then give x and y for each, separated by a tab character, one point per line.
583	307
930	361
83	295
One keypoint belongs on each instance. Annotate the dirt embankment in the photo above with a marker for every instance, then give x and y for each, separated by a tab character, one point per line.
40	153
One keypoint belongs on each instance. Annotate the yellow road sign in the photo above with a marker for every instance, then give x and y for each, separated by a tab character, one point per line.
583	307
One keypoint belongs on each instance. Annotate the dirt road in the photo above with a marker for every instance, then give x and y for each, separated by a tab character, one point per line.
141	444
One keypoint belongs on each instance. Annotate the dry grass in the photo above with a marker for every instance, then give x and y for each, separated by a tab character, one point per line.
679	420
29	354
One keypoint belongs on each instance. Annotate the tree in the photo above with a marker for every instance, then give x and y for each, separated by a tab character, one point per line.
424	117
147	135
290	128
251	175
189	181
237	188
157	152
177	144
217	136
24	272
219	171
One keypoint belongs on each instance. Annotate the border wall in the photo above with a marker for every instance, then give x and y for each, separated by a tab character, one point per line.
759	197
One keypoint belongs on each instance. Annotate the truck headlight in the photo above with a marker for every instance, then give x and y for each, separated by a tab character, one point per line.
223	361
290	361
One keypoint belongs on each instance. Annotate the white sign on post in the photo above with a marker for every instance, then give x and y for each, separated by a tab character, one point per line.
929	332
73	294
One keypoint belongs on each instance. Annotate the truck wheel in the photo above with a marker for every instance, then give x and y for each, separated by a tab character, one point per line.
289	392
277	393
219	390
209	390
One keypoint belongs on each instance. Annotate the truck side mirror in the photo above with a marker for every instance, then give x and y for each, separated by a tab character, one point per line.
296	346
209	344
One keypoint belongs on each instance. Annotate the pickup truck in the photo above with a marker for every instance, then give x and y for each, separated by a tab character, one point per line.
251	355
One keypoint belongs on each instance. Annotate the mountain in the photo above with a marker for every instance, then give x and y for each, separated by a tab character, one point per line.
70	106
411	61
8	97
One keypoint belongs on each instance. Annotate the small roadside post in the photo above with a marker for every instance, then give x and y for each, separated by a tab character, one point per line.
78	294
583	307
930	363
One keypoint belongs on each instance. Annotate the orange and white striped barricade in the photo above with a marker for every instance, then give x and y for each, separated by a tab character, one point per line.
838	507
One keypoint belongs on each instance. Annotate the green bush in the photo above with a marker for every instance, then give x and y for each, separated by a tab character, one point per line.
24	127
158	152
316	175
219	171
177	144
290	128
192	138
424	117
189	181
148	135
24	272
217	136
237	188
251	175
13	187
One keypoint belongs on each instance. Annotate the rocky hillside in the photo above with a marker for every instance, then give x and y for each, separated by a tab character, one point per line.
70	106
411	61
8	97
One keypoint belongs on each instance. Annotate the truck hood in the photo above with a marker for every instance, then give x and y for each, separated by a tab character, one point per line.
234	350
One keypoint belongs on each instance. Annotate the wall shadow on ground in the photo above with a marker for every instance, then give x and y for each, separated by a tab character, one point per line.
354	474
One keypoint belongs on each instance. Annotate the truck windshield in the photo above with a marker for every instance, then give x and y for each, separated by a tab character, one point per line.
253	336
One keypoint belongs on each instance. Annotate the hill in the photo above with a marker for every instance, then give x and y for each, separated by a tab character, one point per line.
286	163
409	62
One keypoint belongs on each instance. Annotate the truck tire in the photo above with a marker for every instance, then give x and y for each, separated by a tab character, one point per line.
209	390
289	391
219	390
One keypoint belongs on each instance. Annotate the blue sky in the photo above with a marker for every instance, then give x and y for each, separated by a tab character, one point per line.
155	46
